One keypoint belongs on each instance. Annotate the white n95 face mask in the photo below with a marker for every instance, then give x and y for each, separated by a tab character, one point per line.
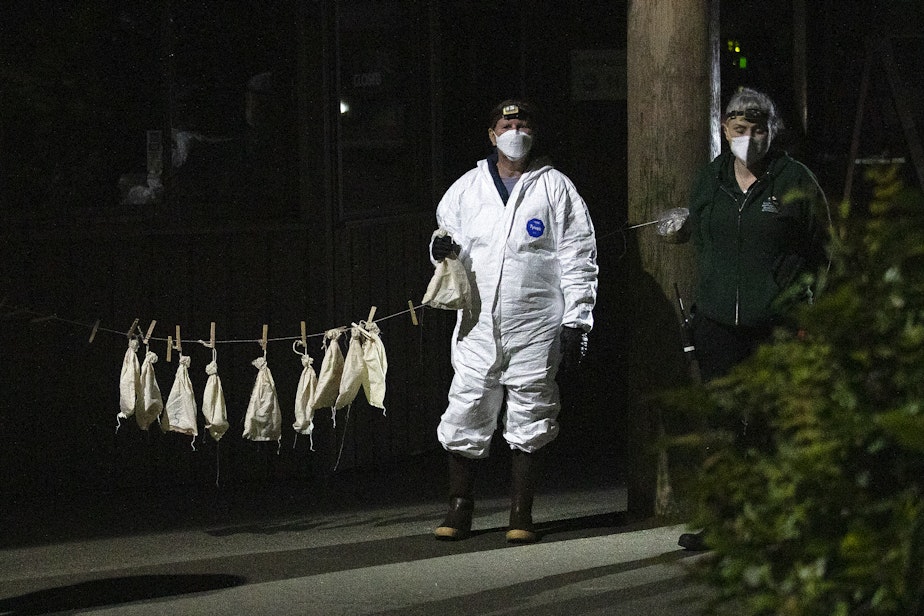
749	150
514	144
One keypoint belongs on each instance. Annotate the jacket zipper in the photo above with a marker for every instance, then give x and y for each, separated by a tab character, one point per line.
743	203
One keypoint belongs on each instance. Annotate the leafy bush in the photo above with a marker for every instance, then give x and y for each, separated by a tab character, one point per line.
817	507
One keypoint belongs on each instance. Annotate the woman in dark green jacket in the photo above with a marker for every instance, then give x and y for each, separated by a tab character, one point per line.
759	222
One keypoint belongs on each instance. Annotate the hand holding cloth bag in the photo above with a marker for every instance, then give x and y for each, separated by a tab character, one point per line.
449	288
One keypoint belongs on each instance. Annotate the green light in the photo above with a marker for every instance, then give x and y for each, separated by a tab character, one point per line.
742	62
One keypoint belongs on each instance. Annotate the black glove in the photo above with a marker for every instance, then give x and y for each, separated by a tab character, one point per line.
573	348
442	247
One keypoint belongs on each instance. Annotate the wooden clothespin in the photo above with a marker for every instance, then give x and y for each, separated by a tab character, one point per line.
371	314
263	340
410	306
169	347
304	337
94	330
131	330
179	341
212	335
147	336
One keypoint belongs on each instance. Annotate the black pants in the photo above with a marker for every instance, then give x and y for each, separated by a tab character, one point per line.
719	347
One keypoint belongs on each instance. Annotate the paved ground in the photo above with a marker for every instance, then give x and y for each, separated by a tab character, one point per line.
362	544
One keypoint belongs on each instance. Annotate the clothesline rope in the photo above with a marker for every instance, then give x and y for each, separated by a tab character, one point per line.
36	317
181	403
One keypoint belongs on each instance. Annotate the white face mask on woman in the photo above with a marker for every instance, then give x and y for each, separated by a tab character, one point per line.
514	144
749	150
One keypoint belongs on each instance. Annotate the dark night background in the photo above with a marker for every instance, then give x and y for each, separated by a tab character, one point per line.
287	207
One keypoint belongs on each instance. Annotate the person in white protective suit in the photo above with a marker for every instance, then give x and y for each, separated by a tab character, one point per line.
526	240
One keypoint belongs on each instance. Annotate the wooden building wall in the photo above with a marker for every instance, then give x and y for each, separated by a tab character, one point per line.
221	247
61	392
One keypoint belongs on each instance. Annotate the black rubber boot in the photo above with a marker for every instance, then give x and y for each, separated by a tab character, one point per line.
523	483
458	522
693	542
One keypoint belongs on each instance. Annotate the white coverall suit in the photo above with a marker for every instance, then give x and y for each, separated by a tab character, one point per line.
532	268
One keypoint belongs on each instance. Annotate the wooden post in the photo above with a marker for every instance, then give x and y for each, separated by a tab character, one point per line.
670	84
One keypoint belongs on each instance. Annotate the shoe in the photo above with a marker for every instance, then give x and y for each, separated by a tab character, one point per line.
693	542
458	522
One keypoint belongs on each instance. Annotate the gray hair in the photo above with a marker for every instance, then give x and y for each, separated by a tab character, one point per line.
748	99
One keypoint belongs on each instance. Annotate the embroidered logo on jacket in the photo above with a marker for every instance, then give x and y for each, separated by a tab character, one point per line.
535	227
770	206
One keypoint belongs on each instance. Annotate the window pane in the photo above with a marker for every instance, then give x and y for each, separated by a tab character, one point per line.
233	112
383	124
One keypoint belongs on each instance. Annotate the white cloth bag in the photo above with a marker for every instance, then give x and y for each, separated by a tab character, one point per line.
329	377
263	420
304	393
214	409
180	411
365	366
376	366
353	370
129	383
152	400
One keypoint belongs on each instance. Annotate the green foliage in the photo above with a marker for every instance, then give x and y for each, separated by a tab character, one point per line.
816	508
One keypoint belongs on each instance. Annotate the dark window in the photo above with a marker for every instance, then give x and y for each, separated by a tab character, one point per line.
231	109
384	123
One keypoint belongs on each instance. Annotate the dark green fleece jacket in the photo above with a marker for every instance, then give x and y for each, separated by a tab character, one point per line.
751	246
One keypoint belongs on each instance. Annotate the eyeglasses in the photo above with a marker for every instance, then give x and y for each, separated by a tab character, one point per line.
756	116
